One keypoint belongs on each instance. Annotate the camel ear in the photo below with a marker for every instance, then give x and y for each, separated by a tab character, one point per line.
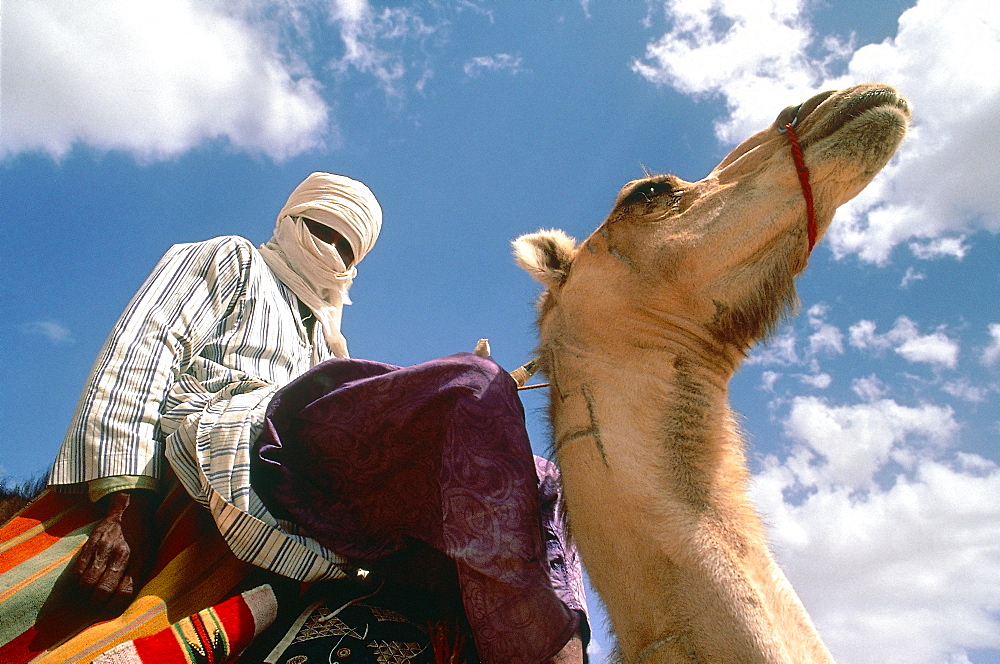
545	255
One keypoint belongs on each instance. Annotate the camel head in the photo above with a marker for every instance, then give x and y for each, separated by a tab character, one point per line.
711	263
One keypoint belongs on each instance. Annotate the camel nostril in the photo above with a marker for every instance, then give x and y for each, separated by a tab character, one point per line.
788	116
793	114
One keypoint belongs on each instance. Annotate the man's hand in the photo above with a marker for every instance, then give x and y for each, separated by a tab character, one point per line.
114	559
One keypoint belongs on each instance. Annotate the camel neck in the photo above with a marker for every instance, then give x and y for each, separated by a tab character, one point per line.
669	409
658	451
654	341
654	365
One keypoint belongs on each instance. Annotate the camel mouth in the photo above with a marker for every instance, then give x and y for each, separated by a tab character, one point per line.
835	112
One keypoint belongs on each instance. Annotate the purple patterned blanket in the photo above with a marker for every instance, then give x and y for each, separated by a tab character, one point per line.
372	458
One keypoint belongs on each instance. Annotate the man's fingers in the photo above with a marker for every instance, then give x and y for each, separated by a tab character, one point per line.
111	578
82	563
94	558
127	585
114	558
96	567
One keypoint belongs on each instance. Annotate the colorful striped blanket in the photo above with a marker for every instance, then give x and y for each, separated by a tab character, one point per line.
45	620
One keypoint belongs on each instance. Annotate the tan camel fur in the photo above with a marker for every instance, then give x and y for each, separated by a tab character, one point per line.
642	326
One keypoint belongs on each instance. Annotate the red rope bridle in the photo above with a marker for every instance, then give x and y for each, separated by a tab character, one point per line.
803	173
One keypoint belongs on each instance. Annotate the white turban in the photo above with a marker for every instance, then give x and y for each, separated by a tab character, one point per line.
313	269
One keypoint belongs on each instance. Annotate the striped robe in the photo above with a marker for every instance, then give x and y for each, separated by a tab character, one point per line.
186	375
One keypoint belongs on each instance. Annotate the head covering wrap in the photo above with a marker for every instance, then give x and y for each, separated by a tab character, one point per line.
314	269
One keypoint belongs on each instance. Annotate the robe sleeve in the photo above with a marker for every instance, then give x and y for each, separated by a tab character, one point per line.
97	489
565	570
115	429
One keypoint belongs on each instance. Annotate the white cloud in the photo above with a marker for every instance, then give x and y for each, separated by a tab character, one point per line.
780	350
862	335
942	184
853	442
871	546
953	247
468	5
869	388
757	77
826	338
910	277
501	62
820	381
157	78
374	42
906	575
934	348
965	390
768	379
53	331
905	339
992	352
153	79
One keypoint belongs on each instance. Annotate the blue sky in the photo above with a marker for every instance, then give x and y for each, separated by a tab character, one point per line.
872	416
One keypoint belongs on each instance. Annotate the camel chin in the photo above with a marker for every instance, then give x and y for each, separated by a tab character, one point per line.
641	326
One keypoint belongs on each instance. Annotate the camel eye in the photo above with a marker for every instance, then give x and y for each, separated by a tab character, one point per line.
647	192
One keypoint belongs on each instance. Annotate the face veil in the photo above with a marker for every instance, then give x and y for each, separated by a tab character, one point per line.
311	268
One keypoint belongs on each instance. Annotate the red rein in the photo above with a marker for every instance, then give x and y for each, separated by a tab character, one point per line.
803	172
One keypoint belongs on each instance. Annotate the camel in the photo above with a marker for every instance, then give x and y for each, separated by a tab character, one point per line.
641	328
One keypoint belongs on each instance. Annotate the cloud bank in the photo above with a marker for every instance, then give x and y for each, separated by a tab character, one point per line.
905	573
153	79
156	79
942	184
886	527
